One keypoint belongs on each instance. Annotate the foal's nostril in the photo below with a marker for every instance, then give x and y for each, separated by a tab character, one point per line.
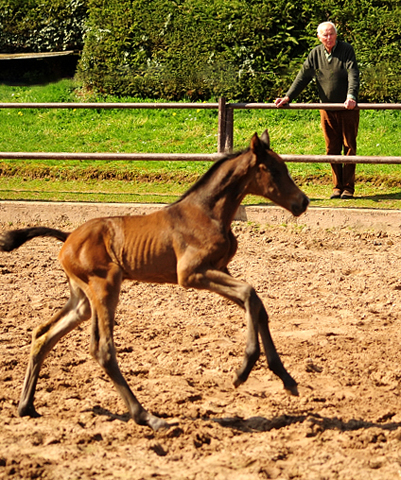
299	207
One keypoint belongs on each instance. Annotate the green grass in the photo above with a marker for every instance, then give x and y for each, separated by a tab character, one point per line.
171	131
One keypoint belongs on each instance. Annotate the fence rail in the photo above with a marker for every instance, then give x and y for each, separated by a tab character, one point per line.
194	157
225	131
189	157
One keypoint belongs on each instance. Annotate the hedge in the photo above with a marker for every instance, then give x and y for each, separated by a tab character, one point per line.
42	25
245	50
190	49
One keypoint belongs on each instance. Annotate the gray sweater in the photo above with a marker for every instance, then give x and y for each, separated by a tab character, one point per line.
335	80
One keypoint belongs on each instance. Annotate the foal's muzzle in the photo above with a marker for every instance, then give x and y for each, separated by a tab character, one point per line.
297	208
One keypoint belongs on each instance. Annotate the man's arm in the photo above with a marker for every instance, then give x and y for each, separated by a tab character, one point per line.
303	78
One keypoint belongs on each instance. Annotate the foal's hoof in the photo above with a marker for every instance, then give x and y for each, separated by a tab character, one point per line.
239	379
292	390
28	411
157	423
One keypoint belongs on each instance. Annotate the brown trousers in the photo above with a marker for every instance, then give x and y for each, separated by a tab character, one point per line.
340	129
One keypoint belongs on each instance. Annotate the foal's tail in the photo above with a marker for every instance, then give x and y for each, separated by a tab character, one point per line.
15	238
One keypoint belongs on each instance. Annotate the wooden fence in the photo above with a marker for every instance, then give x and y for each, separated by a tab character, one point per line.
225	132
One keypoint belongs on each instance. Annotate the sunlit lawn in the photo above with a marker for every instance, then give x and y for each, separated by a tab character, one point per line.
172	131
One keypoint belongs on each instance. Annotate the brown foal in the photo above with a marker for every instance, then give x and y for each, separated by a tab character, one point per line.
188	243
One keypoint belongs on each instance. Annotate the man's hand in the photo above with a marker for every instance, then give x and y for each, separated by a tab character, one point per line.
280	102
350	104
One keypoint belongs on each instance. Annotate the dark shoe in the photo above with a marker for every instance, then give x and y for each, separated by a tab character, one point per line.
336	193
347	195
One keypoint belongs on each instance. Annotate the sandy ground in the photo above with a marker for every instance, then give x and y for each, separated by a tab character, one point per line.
333	297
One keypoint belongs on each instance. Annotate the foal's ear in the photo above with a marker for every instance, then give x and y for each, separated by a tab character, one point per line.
256	143
266	139
260	144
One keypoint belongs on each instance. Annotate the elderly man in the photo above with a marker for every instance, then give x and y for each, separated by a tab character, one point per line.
334	66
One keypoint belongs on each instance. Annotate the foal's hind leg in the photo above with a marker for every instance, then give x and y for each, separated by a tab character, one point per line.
44	338
104	294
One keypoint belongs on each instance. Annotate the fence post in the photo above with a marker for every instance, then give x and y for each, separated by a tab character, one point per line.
229	140
226	127
221	136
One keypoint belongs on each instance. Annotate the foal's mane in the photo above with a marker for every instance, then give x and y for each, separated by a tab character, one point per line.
209	174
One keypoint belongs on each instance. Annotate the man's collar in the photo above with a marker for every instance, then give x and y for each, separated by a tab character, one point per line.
328	55
332	50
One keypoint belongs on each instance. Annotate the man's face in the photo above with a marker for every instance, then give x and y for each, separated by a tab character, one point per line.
328	36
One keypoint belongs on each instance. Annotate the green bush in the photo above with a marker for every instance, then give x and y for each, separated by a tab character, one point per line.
191	49
245	50
374	29
41	25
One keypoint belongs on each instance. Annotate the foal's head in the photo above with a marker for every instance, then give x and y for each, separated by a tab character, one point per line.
271	178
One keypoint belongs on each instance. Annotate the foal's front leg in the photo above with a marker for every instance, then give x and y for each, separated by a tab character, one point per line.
273	359
252	350
258	322
245	296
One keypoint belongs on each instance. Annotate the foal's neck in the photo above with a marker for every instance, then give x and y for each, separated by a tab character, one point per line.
224	191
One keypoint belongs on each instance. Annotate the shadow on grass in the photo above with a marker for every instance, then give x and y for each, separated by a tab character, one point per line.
389	201
381	197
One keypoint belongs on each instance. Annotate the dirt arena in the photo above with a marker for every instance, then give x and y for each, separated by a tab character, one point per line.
333	296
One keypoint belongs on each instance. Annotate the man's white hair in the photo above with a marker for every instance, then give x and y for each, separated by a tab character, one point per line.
325	24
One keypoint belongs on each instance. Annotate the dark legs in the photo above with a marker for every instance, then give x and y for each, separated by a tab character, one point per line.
259	324
245	296
98	298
